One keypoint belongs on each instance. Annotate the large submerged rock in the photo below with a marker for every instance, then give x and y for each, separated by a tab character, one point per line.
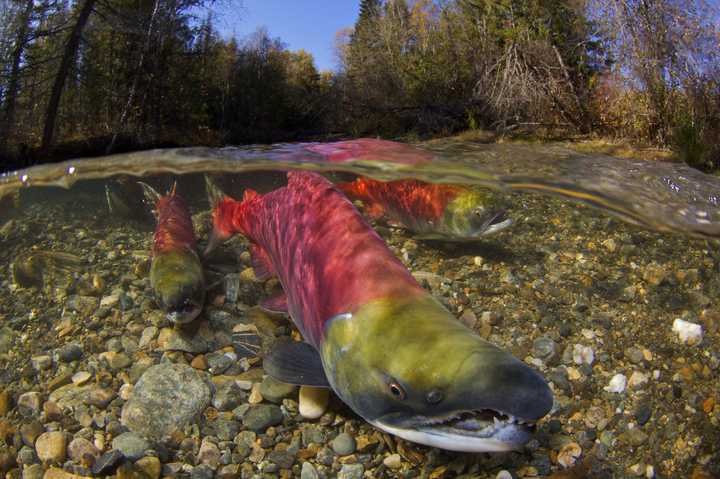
165	399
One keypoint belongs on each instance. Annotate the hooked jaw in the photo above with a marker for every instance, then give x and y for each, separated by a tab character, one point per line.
490	413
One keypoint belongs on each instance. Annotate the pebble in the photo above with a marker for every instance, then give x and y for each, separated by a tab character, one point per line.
343	444
689	333
154	410
274	390
29	403
634	437
41	363
70	352
80	447
583	354
569	454
116	361
33	471
351	471
100	397
125	391
503	475
543	348
57	473
30	432
4	402
147	336
81	377
131	445
261	416
150	466
255	396
209	454
637	379
643	414
313	401
106	463
51	447
170	339
228	397
617	384
308	471
393	461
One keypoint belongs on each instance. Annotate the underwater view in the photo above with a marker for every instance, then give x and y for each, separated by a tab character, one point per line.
360	309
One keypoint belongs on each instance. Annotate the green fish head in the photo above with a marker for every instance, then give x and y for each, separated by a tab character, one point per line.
472	214
178	284
410	368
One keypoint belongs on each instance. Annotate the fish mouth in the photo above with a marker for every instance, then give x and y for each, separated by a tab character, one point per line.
184	314
497	221
483	430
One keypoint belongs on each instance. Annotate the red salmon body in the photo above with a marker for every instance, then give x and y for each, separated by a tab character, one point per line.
327	258
174	227
426	201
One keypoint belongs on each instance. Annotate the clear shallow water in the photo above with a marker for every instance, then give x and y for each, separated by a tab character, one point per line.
562	281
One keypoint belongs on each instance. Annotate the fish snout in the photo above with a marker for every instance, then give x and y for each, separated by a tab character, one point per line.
498	381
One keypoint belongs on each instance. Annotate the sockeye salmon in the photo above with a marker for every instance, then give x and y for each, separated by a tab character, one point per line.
386	347
176	274
431	211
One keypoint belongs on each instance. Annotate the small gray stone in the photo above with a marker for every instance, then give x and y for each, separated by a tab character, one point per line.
118	361
308	471
202	471
107	463
114	345
148	335
83	305
634	354
171	339
7	339
312	434
343	444
284	459
29	403
41	363
226	430
274	390
26	456
70	352
228	397
643	413
260	417
351	471
131	445
218	362
634	436
209	454
165	399
543	348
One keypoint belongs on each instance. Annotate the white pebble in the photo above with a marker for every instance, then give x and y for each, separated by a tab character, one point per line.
503	475
583	354
478	262
81	377
649	472
313	402
617	384
689	333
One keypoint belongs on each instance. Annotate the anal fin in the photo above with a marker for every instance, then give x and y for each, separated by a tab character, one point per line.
296	362
261	262
275	304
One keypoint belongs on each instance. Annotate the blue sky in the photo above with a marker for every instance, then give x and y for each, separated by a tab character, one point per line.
307	24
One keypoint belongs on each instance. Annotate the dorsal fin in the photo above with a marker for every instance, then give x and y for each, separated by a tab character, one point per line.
249	194
151	197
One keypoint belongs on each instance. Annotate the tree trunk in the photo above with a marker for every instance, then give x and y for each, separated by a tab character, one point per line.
67	61
8	122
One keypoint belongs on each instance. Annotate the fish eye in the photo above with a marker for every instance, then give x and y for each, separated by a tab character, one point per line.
396	390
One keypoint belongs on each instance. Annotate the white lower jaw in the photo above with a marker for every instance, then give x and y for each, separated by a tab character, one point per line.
449	442
492	229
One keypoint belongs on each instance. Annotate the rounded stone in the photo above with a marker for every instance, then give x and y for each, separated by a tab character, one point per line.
393	461
308	471
260	417
543	348
132	445
70	352
313	402
165	399
343	444
81	378
51	447
274	390
150	466
80	447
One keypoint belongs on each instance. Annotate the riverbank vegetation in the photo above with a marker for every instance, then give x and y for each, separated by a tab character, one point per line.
100	76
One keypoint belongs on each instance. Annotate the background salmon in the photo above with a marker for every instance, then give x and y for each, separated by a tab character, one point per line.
432	211
176	274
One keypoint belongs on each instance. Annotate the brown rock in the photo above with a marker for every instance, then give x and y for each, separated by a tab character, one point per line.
79	448
100	397
199	362
52	411
4	402
57	473
29	403
51	447
150	466
30	432
7	461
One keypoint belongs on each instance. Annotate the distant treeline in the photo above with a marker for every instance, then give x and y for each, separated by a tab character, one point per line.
97	76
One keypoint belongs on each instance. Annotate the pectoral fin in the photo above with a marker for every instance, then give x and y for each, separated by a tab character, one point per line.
261	262
275	304
295	362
